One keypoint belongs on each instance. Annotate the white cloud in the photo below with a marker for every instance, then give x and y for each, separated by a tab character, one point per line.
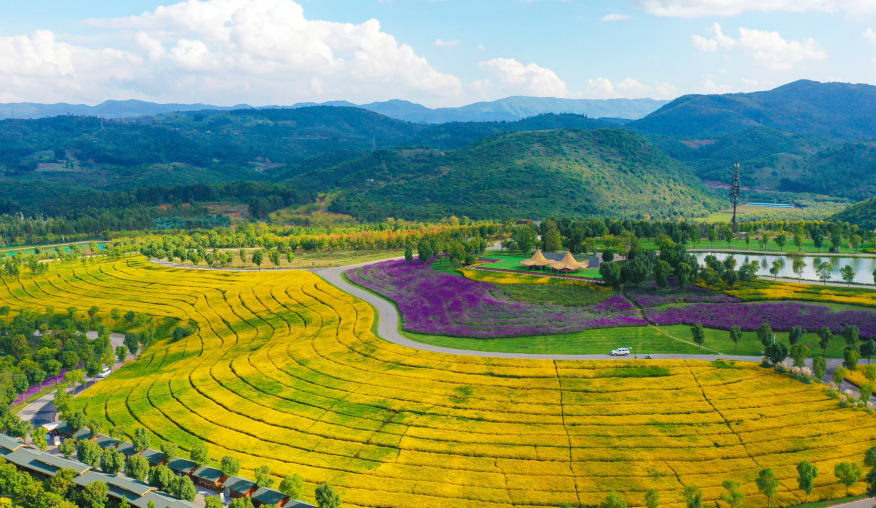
602	88
441	43
768	49
614	17
870	35
217	50
697	8
506	76
711	87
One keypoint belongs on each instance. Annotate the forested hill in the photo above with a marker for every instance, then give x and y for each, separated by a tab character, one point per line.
840	110
570	172
863	214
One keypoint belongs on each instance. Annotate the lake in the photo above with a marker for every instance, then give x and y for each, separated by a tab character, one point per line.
863	267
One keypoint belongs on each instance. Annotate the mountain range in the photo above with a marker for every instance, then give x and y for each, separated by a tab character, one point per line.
508	109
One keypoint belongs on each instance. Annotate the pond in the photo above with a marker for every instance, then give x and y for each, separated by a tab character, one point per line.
863	266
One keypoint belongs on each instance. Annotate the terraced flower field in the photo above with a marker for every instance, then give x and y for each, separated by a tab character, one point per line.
284	371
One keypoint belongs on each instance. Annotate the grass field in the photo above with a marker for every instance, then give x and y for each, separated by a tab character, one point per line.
284	371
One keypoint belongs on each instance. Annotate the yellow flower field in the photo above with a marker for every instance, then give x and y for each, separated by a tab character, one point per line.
284	371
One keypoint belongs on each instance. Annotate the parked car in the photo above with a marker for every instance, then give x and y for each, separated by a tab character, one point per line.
105	372
621	351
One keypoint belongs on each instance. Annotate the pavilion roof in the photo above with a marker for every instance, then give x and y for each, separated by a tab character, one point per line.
537	259
568	263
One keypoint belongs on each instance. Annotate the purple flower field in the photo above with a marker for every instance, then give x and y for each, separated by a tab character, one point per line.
36	388
780	315
646	295
433	302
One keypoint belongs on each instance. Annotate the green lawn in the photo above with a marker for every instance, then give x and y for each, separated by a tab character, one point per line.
512	262
643	340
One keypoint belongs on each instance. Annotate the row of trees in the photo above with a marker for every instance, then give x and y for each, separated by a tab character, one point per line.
768	483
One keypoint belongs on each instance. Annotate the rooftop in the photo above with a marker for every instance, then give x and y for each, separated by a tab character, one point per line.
153	456
268	496
238	484
181	465
9	444
107	442
208	473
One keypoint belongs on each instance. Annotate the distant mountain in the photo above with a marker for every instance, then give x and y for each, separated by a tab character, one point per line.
509	109
108	109
568	172
839	110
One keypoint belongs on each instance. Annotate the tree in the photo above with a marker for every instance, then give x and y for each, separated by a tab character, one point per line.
871	483
781	240
112	461
824	271
799	353
61	482
851	334
95	495
200	454
141	440
292	486
684	274
213	502
662	269
848	474
88	452
850	358
161	477
409	253
709	276
848	274
735	336
768	484
693	497
95	426
242	255
652	499
241	502
611	273
856	242
326	497
38	435
274	256
169	451
839	375
258	257
730	278
613	500
607	256
798	266
263	476
183	488
824	335
230	465
121	353
775	269
870	457
137	467
67	448
712	235
776	352
795	333
868	349
132	342
798	241
819	367
699	334
424	250
765	334
734	495
806	475
818	240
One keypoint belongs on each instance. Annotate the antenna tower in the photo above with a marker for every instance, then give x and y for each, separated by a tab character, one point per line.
735	192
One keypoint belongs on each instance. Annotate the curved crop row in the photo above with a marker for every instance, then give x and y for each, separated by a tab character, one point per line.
284	371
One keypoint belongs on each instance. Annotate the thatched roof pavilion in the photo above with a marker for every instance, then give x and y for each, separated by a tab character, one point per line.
568	264
537	260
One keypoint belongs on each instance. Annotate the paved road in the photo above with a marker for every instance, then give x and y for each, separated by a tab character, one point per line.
42	410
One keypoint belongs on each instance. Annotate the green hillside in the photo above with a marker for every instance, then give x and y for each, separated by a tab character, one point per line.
570	172
863	214
840	110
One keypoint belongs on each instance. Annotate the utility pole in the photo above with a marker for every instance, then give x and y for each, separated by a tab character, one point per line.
735	192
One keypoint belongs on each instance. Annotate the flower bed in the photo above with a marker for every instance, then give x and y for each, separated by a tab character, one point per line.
780	315
33	390
647	295
433	302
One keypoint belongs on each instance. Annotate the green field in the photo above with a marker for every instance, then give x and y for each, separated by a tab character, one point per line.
642	340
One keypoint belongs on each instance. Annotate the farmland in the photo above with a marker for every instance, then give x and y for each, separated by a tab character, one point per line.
285	371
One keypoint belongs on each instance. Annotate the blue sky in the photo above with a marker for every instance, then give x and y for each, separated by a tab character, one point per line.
438	53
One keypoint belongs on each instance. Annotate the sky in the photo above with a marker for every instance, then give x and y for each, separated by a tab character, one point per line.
439	53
